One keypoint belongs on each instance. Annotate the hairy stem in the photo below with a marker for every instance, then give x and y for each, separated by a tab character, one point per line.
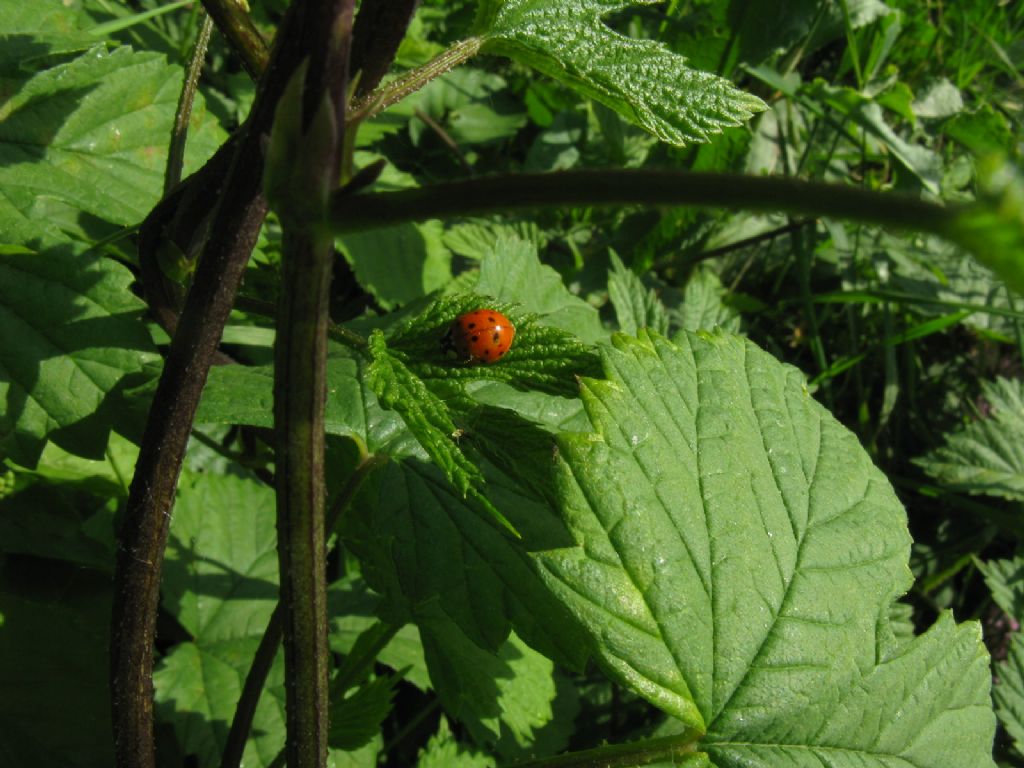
300	383
256	678
179	133
413	80
237	217
674	750
498	194
236	26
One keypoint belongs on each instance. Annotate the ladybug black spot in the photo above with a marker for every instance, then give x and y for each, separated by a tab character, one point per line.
496	337
471	325
476	337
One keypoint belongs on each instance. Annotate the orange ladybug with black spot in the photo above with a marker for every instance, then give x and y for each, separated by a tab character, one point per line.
481	336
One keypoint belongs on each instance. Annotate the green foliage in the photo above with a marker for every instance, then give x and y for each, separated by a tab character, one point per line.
660	544
569	41
985	457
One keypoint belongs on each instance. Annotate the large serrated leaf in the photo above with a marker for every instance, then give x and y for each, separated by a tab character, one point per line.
986	456
71	332
220	574
89	137
1009	692
640	79
431	554
735	550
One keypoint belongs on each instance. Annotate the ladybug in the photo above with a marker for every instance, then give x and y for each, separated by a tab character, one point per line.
481	336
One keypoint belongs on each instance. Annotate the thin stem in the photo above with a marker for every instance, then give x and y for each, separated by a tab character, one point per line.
256	678
179	133
236	220
674	750
498	194
410	82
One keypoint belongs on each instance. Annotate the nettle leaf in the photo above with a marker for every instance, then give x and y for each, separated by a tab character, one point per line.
89	137
431	555
1005	580
640	79
356	719
1009	692
71	333
220	574
736	554
197	687
511	271
986	456
444	751
703	307
424	414
636	306
542	357
505	698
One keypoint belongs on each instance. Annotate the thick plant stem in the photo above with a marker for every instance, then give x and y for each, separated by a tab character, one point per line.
234	23
256	678
235	226
378	30
498	194
300	373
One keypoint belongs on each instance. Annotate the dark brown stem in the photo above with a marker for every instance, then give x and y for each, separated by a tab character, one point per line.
532	191
235	226
300	383
271	641
378	30
236	26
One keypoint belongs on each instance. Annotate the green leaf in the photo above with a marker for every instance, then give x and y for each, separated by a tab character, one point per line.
640	79
735	550
636	306
511	271
904	711
34	31
987	456
428	553
506	699
1005	580
1009	692
356	719
54	646
353	609
444	751
703	307
400	263
473	105
993	228
71	333
424	414
87	140
220	570
197	686
543	357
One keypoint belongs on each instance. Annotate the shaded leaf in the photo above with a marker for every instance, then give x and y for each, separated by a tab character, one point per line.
987	456
71	333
